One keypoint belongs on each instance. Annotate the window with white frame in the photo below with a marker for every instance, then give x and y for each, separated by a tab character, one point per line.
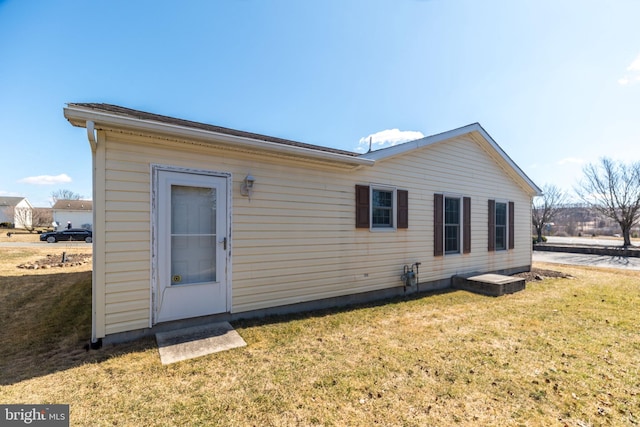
452	225
501	226
381	208
382	211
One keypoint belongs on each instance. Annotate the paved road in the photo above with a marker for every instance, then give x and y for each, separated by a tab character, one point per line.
629	263
599	241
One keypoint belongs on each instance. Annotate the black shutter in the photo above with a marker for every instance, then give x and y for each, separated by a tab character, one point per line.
491	247
466	225
512	237
403	208
438	225
362	206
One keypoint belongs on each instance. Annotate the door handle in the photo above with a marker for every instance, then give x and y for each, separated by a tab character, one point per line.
224	243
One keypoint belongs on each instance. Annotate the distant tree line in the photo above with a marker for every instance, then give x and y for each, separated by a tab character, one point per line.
610	194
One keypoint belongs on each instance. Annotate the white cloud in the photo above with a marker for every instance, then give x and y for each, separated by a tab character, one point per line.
635	65
387	138
633	73
570	160
46	179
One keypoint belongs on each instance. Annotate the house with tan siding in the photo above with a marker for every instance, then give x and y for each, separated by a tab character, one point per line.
195	221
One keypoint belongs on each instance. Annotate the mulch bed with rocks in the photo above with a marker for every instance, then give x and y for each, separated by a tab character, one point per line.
53	261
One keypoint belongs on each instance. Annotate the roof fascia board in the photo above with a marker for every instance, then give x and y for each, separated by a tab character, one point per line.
396	150
507	159
79	117
399	149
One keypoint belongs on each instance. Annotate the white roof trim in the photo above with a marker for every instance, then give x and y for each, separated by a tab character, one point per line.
396	150
80	116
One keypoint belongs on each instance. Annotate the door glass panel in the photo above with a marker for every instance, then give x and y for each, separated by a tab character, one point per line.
193	235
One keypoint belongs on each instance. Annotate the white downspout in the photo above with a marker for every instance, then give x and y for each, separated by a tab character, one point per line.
91	135
93	142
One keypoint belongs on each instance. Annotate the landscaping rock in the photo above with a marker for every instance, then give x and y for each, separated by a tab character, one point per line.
52	261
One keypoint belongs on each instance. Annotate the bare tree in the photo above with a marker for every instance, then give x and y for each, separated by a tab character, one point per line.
23	218
544	208
613	189
64	195
42	217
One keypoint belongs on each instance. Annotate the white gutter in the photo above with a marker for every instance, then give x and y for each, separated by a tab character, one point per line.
81	116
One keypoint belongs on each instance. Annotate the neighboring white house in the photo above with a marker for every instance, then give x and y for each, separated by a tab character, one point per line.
198	220
16	211
78	213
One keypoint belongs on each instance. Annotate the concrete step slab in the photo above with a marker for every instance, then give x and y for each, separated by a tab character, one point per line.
489	284
188	343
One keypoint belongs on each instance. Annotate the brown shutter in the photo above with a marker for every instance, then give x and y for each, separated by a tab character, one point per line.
466	225
403	208
512	240
491	247
438	225
362	206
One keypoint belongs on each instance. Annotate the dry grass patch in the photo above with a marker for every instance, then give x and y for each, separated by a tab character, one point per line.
563	352
18	236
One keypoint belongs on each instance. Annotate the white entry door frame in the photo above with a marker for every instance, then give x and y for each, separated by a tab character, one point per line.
191	243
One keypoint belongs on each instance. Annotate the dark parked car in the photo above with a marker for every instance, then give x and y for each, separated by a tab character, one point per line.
73	234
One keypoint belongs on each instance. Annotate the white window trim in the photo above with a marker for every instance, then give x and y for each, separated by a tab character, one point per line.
460	198
506	225
394	207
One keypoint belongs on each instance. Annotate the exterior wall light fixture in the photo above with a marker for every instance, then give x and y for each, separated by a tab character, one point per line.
246	188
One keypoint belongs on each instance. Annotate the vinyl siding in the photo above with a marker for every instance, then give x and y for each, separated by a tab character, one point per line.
296	240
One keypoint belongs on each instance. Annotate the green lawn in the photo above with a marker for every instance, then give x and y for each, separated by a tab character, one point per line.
562	352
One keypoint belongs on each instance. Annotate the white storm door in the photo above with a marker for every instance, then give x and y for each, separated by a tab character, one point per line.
192	245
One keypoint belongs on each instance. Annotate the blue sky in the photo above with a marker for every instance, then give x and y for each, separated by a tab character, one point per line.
555	83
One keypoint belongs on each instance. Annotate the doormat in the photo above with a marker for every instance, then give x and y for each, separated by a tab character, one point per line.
188	343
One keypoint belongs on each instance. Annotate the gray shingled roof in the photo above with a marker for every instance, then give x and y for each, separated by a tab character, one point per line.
10	201
73	205
141	115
